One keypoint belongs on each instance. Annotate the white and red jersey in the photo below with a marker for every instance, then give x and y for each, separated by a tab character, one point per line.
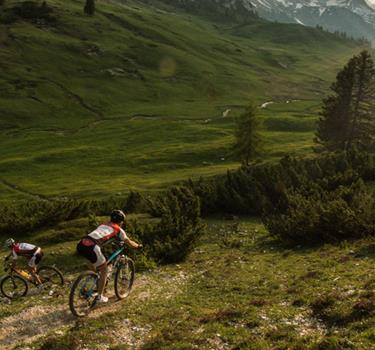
107	232
24	249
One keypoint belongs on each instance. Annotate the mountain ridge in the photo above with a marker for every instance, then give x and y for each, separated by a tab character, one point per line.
353	17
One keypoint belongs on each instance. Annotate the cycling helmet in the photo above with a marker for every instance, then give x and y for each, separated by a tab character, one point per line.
9	242
117	216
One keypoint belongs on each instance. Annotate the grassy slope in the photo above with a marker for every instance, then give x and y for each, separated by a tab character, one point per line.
238	290
132	98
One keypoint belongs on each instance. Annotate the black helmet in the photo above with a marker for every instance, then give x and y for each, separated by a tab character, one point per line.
117	216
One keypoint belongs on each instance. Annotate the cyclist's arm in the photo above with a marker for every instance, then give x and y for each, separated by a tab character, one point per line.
13	257
132	244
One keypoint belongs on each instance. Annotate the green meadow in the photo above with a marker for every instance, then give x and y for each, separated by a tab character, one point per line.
239	289
141	96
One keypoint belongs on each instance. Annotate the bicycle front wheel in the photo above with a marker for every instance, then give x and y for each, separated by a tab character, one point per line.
83	293
124	278
13	287
50	276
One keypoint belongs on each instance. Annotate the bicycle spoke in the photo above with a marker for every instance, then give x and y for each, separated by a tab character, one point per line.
83	294
13	287
124	279
50	276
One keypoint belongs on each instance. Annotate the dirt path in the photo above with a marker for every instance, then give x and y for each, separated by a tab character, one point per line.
76	97
38	321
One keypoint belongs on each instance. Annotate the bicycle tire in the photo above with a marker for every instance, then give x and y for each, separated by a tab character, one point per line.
58	278
129	266
89	299
12	279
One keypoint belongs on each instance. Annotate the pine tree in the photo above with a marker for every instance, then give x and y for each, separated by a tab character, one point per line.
348	116
362	128
89	8
248	140
333	126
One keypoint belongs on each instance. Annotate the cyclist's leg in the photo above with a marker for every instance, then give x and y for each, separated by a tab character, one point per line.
93	253
101	266
35	259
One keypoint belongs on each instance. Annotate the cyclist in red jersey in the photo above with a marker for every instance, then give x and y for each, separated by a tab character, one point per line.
29	251
90	247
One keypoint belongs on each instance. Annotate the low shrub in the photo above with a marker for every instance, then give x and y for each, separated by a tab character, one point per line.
23	217
317	215
301	200
255	189
27	216
28	11
175	235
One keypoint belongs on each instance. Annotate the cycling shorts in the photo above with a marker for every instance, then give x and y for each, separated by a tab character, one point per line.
91	251
35	259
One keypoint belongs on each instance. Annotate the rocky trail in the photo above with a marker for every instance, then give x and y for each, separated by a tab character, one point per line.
51	318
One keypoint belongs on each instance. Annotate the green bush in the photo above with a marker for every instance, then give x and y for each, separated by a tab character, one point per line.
29	11
317	215
256	189
175	235
301	200
136	203
7	17
23	217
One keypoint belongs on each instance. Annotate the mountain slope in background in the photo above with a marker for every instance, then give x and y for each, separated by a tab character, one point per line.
354	17
134	97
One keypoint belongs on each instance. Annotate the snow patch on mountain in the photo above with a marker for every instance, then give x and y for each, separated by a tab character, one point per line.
298	21
355	17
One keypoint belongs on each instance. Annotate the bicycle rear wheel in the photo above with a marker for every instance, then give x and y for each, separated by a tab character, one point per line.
50	276
13	287
124	278
83	293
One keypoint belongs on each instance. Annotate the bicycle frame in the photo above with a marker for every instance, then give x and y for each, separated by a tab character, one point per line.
113	258
14	271
85	288
114	255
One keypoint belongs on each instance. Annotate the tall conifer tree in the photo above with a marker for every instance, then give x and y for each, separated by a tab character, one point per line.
362	129
248	140
348	116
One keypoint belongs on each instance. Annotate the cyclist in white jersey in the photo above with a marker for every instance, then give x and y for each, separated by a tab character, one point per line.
29	251
90	247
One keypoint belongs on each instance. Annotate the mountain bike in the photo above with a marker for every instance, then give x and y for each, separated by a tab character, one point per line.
84	290
16	282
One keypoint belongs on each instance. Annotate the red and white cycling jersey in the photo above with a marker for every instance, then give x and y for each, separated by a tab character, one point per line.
24	249
107	232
